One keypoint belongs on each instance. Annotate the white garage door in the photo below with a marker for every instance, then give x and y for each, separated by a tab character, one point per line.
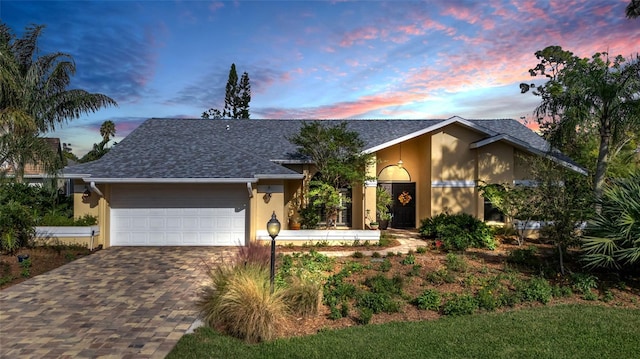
178	215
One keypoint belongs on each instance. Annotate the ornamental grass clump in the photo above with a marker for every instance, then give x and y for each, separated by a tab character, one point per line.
303	296
238	302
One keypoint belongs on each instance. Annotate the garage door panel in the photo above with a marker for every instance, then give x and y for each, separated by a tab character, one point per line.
174	215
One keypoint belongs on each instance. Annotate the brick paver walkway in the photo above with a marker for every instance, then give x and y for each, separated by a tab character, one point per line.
116	303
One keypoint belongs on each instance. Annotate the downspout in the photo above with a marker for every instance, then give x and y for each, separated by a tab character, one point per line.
95	189
250	189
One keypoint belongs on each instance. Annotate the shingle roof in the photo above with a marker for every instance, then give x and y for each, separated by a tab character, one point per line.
249	149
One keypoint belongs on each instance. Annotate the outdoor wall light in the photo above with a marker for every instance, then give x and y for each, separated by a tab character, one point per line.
273	228
86	194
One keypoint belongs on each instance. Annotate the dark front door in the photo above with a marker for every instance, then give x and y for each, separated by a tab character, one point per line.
404	212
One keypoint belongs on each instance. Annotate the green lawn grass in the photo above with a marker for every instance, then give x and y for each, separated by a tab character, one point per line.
562	331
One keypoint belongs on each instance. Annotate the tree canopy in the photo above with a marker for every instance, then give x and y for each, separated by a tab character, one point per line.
236	99
338	156
584	97
35	99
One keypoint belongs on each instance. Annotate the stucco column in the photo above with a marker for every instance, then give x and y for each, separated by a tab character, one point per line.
370	192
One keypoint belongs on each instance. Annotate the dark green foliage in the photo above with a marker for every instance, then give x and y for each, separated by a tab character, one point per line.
584	283
336	290
54	219
385	266
612	238
357	254
459	304
309	217
536	289
26	268
561	291
376	255
16	226
377	302
458	232
429	300
487	299
525	256
365	315
441	276
36	99
422	250
381	284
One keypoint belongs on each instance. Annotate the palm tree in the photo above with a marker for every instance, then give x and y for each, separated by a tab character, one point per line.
633	9
107	130
34	98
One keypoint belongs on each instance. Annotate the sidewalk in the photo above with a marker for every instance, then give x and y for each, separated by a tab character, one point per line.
409	241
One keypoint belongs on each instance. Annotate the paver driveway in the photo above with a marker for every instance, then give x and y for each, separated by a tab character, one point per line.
116	303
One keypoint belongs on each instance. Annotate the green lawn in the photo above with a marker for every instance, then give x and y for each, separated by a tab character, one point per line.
562	331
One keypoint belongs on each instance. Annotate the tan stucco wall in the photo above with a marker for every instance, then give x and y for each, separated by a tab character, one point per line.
264	209
453	160
95	206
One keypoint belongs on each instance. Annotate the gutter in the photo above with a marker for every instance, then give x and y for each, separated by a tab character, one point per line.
170	180
95	189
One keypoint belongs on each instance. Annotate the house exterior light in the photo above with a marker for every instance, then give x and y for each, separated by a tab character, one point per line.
273	228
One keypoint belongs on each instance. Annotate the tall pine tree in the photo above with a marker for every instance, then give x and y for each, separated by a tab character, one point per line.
244	96
236	99
231	95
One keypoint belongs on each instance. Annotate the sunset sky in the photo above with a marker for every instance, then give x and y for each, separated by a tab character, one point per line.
315	59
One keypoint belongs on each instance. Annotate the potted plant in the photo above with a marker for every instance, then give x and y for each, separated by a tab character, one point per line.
383	201
374	225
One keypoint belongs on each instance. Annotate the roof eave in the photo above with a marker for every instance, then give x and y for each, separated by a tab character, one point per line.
435	127
170	180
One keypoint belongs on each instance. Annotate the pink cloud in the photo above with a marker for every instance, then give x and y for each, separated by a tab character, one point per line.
359	35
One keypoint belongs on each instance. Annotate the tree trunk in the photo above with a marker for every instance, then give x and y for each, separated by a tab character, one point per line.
603	160
560	249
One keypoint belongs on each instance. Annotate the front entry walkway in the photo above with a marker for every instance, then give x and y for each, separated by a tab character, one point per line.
116	303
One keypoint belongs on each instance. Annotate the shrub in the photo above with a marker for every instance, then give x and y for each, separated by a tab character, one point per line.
584	283
458	232
460	304
377	302
613	237
409	259
238	301
365	315
303	296
440	276
376	255
55	219
415	270
455	263
385	265
537	289
357	255
486	299
527	257
428	300
421	249
16	226
382	284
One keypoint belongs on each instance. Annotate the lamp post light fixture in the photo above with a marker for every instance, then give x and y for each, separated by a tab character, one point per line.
273	227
